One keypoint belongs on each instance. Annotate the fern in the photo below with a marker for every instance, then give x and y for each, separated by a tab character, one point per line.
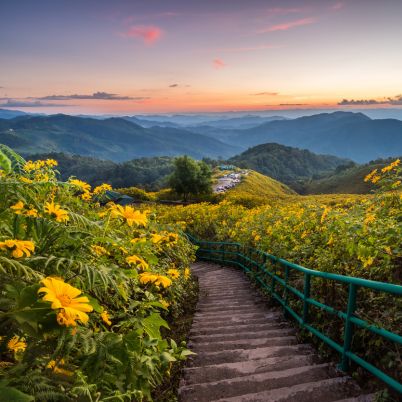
16	162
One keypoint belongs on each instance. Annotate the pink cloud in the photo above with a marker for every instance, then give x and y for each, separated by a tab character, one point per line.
219	63
337	6
284	10
248	49
289	25
149	34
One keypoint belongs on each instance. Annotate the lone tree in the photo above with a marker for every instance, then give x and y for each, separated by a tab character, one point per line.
190	177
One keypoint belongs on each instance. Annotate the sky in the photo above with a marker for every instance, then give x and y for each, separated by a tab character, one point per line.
169	56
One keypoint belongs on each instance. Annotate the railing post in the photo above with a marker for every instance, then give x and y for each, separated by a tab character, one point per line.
223	253
307	278
348	333
285	298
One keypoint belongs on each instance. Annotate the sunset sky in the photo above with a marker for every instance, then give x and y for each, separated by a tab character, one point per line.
121	56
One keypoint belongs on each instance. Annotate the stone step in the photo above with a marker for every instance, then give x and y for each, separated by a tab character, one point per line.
235	317
327	390
241	355
230	370
241	344
222	328
251	334
206	392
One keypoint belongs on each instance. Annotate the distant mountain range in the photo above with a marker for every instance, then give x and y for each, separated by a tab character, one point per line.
344	134
286	164
114	138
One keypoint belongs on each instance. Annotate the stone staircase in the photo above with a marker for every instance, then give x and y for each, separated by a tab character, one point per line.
247	352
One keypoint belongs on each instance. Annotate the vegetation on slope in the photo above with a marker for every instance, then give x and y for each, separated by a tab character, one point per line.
286	164
86	291
257	189
346	180
351	235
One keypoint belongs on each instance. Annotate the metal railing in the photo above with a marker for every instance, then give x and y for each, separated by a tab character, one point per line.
256	262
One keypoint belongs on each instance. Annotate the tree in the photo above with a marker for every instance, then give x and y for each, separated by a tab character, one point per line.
190	177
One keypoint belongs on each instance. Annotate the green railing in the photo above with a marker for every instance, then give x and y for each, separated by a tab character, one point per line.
256	261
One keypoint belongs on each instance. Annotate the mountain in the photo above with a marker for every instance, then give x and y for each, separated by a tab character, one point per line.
241	122
114	138
10	114
344	134
345	180
255	189
286	164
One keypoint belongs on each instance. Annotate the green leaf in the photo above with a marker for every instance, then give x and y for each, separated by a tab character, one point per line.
95	304
10	394
152	324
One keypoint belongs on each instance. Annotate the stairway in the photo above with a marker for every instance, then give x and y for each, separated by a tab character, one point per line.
247	352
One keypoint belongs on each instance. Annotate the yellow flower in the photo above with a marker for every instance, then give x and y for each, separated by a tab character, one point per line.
130	215
51	162
86	196
64	297
149	277
80	184
16	344
156	238
370	218
99	250
375	179
138	262
32	213
388	250
25	180
105	317
18	208
102	188
19	247
164	303
57	369
370	175
187	273
330	241
61	215
396	184
173	237
174	273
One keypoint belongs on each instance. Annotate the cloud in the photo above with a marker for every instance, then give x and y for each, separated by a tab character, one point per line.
289	25
16	103
148	33
395	101
218	63
173	85
284	10
248	49
95	95
267	93
292	104
337	6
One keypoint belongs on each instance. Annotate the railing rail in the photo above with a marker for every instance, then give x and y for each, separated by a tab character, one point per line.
253	260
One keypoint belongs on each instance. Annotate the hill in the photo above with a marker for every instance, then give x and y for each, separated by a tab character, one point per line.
255	189
148	173
343	134
344	180
287	164
114	138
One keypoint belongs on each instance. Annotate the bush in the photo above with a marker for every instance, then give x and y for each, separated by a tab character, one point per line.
84	291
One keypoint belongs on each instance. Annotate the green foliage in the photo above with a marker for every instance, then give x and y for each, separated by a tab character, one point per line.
256	189
286	164
124	350
190	177
137	193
